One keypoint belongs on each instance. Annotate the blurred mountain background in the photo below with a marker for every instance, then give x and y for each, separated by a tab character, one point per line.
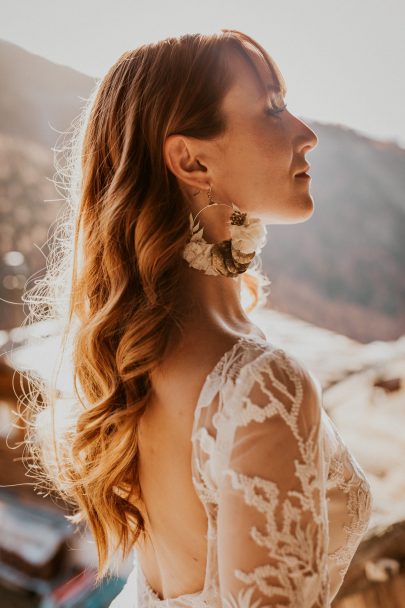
342	269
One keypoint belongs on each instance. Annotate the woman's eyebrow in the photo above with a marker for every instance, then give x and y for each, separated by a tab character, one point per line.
273	88
276	88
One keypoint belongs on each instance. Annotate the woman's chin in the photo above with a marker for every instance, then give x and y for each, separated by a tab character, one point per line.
308	209
302	208
295	210
299	211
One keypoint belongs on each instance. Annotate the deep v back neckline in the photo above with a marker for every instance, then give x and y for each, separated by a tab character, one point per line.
199	403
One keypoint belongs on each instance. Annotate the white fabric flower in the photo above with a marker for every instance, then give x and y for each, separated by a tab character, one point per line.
198	254
250	238
197	251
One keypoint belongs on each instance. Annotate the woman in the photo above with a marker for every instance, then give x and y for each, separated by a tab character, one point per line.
193	440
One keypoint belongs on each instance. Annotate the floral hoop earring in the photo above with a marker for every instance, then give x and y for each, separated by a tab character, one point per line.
229	257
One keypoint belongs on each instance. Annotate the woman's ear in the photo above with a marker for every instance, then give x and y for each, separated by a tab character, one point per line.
180	156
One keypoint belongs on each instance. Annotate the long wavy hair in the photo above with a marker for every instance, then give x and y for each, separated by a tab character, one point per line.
112	275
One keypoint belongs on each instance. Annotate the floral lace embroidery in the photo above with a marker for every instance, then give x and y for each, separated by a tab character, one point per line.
292	527
359	504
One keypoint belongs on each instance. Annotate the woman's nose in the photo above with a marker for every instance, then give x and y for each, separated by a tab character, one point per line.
307	136
304	135
313	139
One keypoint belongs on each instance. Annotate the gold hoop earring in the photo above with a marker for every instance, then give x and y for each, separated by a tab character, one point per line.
210	199
229	257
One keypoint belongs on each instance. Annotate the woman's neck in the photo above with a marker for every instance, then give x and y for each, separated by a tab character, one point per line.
212	302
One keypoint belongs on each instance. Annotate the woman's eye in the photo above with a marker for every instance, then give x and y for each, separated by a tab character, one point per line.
275	109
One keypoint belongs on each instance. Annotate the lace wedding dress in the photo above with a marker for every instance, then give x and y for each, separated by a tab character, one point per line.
286	501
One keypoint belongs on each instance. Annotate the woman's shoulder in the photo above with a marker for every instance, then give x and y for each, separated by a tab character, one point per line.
253	360
253	356
231	364
258	375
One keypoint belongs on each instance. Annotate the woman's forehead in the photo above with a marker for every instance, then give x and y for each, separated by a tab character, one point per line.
268	72
255	77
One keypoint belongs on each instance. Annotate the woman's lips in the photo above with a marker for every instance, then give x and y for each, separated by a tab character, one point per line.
303	172
303	176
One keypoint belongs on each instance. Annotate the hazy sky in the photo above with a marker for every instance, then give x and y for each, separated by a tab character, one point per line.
343	60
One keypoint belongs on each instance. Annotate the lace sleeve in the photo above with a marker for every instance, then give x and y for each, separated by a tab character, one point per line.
272	529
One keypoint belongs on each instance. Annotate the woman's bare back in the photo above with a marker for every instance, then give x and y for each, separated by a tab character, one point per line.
173	557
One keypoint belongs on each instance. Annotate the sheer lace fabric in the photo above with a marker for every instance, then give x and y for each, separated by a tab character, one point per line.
287	503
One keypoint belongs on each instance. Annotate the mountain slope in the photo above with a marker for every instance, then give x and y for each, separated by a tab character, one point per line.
37	96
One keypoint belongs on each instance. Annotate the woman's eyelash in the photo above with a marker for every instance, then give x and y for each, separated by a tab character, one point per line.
275	110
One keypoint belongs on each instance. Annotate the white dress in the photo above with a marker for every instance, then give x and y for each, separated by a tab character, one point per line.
286	501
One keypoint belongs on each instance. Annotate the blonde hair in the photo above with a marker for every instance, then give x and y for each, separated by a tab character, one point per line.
111	281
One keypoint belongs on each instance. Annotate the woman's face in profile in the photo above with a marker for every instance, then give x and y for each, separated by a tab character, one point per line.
255	163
